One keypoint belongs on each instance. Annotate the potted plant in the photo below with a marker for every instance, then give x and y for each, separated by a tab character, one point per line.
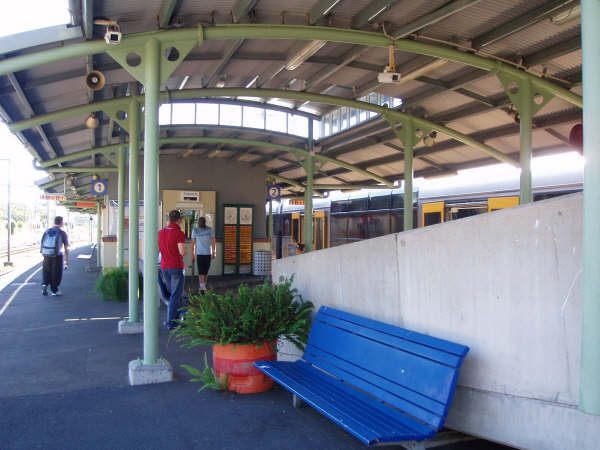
113	284
244	328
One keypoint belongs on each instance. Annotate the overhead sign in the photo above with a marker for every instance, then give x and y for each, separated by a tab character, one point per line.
297	202
273	192
99	187
85	204
55	197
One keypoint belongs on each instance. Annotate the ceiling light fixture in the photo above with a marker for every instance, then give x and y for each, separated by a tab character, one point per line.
252	81
330	7
303	54
221	83
567	16
185	80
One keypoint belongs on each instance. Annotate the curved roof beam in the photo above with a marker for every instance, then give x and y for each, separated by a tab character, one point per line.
273	31
267	93
298	152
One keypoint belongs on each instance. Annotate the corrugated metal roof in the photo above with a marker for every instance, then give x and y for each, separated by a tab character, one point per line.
55	86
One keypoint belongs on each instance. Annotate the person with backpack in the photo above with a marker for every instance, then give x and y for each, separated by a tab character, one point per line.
51	248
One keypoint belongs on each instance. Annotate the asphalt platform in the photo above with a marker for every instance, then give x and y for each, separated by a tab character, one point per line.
64	384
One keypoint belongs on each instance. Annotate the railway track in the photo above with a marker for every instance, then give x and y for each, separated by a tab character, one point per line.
18	250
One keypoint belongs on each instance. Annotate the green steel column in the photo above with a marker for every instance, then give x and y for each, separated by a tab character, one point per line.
589	396
99	234
308	192
308	205
150	240
121	214
134	135
271	227
408	138
526	114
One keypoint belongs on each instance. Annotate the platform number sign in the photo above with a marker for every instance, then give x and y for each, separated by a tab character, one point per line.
273	192
99	187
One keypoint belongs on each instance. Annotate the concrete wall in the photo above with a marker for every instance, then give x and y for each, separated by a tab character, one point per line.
507	284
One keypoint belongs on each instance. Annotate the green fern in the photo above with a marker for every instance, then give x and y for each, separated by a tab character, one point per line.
262	314
207	377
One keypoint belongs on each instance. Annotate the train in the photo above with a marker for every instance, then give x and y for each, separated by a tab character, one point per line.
346	218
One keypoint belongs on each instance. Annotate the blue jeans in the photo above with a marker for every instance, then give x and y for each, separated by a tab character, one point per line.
173	280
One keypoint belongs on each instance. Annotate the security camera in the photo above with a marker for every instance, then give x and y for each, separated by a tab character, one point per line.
388	77
113	34
113	30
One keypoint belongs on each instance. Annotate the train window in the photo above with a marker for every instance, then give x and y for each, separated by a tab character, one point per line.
296	233
432	213
357	227
379	202
396	221
378	224
496	203
432	218
339	230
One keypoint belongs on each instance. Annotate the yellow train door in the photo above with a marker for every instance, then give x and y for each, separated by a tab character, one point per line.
432	213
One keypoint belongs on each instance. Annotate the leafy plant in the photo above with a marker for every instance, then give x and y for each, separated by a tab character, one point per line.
113	284
262	314
207	377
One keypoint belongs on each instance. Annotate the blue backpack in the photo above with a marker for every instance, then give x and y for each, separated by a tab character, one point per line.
52	242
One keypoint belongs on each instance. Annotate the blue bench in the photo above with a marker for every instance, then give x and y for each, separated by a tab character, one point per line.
381	383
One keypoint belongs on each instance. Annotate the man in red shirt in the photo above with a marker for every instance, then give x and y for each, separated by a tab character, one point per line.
171	244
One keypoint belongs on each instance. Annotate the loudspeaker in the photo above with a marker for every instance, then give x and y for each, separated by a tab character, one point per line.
95	80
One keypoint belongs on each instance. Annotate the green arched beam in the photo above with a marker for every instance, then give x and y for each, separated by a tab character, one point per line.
298	152
272	31
189	94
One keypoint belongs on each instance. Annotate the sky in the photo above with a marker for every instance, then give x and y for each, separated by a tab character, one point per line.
17	17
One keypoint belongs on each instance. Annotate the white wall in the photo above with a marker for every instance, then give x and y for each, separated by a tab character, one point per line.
507	284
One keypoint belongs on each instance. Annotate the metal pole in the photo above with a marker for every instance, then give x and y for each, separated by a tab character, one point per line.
99	234
308	193
271	227
408	138
47	213
8	214
525	114
121	211
150	240
134	135
589	395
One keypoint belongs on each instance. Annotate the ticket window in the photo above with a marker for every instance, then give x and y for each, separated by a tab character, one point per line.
496	203
296	228
432	213
320	230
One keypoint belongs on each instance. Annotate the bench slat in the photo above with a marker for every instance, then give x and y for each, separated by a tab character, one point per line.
440	344
360	415
400	343
421	375
414	404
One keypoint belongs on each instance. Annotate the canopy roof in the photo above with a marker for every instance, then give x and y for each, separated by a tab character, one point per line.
540	37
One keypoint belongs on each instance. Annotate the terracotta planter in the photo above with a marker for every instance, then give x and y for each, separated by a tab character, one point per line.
235	363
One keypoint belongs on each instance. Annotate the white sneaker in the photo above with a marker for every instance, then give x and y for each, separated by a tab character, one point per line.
57	293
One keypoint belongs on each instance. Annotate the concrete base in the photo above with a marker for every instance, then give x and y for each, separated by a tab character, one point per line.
140	373
127	327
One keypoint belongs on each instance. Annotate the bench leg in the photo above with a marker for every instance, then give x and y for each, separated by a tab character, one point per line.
297	401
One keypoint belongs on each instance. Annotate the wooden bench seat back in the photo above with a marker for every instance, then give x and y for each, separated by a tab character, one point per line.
410	371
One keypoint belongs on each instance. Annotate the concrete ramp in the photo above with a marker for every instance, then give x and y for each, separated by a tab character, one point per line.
507	284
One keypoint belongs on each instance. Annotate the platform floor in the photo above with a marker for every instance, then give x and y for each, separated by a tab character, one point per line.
63	384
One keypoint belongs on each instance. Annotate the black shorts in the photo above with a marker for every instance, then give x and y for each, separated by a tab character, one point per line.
203	262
